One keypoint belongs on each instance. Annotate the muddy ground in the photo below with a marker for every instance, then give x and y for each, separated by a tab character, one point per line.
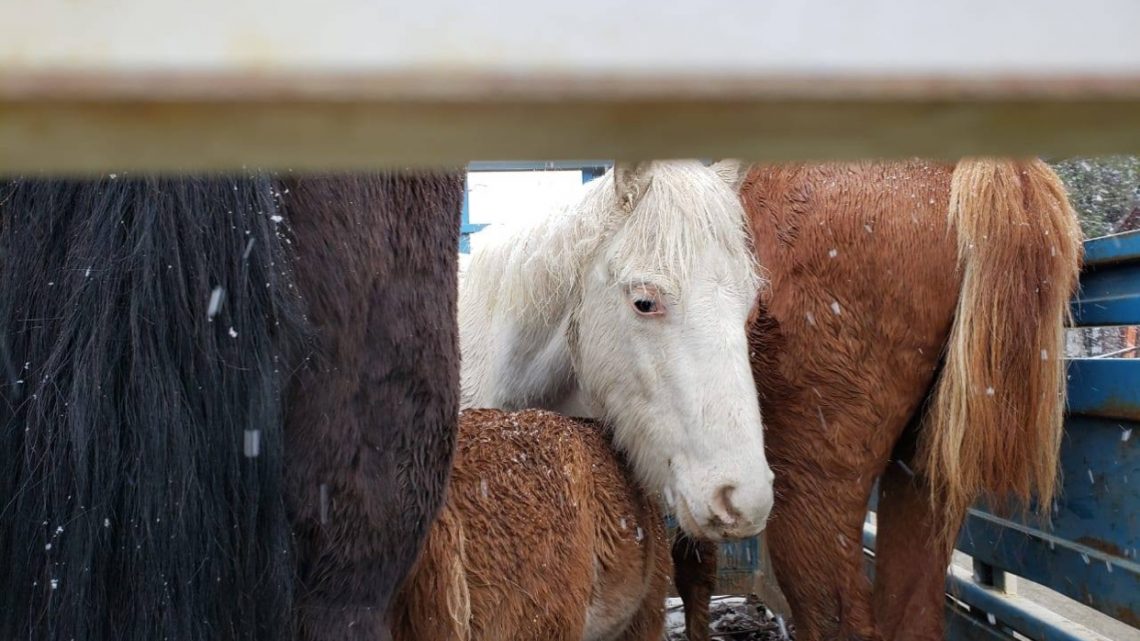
731	618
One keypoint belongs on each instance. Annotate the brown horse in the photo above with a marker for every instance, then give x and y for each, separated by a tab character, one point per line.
545	535
912	332
227	404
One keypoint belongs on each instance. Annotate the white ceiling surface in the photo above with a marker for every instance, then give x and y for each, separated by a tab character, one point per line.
579	36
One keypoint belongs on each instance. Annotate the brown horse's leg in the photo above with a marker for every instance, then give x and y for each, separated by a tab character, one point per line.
817	552
694	575
648	624
910	566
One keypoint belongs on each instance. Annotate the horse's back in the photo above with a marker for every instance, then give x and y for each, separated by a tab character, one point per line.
552	527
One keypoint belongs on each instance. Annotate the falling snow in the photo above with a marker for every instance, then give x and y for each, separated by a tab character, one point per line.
252	443
215	302
324	496
835	308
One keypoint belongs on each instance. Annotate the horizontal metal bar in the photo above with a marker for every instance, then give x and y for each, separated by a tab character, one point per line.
1104	387
1020	614
546	165
1099	579
1009	611
1110	282
1109	250
962	625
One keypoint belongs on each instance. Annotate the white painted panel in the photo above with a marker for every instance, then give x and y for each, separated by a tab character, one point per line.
583	36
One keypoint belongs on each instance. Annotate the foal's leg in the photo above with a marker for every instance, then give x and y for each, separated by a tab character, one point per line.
910	567
694	575
817	552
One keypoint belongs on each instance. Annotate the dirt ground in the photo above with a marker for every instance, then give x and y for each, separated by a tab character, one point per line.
732	619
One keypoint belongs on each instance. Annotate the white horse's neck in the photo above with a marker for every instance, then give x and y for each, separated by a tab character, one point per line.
515	304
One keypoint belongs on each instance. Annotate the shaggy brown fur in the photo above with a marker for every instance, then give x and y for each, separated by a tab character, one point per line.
694	574
544	535
371	427
904	294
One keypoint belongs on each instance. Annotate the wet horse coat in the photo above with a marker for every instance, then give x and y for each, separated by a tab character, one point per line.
227	404
912	332
545	535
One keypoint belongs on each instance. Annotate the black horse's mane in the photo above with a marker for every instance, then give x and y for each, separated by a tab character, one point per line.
147	326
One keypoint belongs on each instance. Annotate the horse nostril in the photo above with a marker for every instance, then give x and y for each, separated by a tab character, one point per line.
723	508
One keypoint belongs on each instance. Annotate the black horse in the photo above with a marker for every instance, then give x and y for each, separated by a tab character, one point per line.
227	404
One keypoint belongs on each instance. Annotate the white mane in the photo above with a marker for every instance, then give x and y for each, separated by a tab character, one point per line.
530	269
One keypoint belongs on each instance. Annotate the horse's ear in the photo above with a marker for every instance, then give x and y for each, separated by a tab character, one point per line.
631	180
732	172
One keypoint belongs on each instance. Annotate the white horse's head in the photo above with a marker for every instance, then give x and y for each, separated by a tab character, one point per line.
659	345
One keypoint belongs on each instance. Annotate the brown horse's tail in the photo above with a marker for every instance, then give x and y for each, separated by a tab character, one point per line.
994	422
435	600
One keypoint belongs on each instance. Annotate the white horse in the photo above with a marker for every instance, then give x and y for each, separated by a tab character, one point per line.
630	305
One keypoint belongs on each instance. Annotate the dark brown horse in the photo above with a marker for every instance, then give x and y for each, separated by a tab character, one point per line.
227	404
911	333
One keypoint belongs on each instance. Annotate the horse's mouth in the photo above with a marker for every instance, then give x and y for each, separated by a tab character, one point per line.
690	524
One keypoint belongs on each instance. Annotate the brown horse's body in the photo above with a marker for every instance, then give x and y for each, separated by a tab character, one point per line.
897	341
371	427
544	535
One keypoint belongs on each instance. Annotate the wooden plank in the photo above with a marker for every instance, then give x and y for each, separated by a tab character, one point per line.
219	84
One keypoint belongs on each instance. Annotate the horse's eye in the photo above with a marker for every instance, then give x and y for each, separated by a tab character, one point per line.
645	306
